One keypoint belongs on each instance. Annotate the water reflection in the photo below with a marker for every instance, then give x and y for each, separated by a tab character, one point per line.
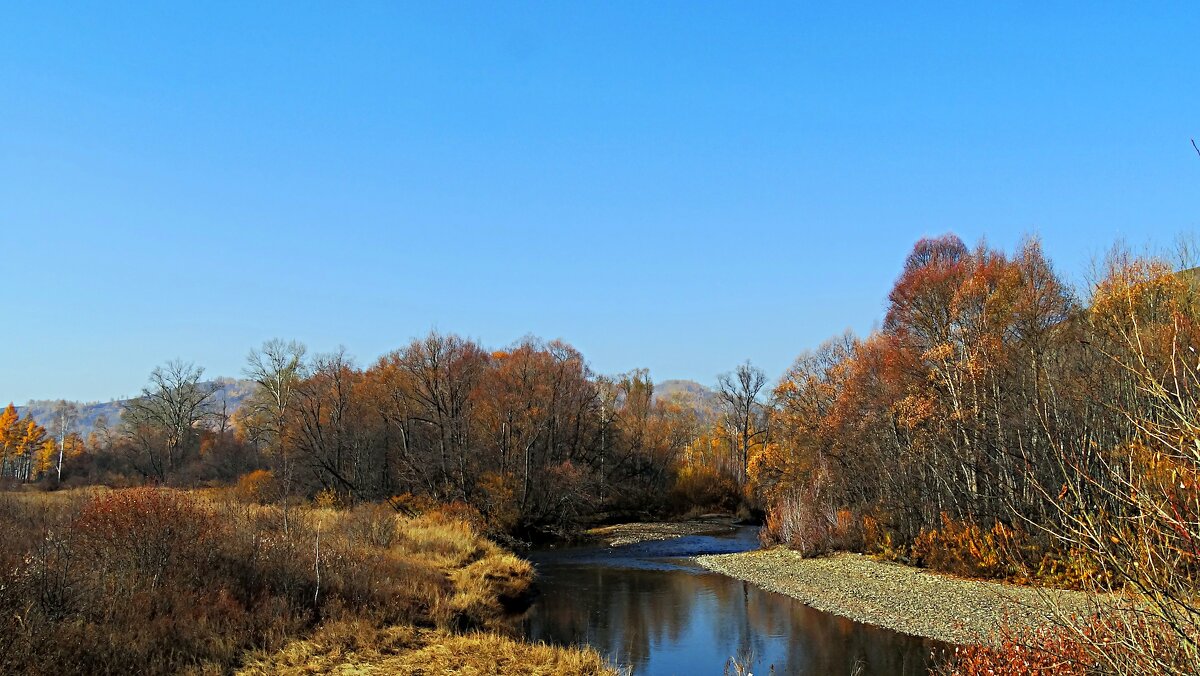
643	608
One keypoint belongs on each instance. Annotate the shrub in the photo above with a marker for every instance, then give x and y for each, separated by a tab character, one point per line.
703	488
801	521
328	499
964	548
257	487
1122	640
499	503
1046	653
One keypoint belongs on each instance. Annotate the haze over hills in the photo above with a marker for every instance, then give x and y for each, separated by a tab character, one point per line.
705	396
232	391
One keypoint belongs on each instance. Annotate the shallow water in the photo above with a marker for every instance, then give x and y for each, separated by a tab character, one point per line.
647	607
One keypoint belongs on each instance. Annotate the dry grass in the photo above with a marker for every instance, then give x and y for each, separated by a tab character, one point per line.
491	589
165	581
349	648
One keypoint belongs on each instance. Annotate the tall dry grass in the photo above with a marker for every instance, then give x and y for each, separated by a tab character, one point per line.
154	580
353	647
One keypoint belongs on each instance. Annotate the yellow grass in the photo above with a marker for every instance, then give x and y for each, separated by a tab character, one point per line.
393	594
354	649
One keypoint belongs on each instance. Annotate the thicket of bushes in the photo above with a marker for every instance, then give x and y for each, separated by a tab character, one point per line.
152	580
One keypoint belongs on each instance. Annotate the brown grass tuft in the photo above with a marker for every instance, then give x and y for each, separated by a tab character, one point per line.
425	653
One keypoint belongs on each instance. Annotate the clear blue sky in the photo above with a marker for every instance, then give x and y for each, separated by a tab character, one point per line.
672	186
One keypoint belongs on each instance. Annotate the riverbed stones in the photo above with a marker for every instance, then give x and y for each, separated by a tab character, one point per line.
633	533
902	598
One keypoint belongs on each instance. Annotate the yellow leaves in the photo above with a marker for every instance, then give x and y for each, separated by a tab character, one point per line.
939	353
8	422
1138	292
45	457
257	487
964	548
786	388
914	410
765	458
74	445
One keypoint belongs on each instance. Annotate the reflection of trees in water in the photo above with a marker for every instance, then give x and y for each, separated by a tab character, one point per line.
618	611
628	612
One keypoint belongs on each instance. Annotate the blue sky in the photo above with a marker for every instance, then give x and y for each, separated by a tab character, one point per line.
678	186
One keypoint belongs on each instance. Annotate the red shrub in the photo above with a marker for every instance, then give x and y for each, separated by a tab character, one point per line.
1046	653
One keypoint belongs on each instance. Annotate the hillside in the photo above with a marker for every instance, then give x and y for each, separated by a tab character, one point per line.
704	398
230	390
234	391
691	388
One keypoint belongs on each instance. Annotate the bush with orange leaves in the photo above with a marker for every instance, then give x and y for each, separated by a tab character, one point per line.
964	548
257	487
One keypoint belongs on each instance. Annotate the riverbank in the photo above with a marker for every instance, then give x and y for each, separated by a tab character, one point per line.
902	598
350	648
632	533
241	585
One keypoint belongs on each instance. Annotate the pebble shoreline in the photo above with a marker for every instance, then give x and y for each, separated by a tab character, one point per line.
901	598
633	533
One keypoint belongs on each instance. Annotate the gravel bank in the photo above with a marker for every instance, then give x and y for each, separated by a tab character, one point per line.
901	598
633	533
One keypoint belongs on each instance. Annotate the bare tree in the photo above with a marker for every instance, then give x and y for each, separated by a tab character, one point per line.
65	415
101	436
1134	512
744	415
278	367
168	412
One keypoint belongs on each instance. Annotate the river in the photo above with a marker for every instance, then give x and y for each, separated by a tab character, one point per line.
648	607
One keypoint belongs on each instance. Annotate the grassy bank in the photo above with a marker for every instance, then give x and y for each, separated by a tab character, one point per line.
163	581
350	647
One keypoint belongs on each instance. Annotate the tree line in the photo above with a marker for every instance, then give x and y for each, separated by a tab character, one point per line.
528	436
1002	424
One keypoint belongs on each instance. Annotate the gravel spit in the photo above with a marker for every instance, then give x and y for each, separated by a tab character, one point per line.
633	533
902	598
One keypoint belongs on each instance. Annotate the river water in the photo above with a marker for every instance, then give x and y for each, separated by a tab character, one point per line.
649	608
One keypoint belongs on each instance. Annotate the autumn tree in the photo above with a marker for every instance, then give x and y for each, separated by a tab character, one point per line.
9	437
22	445
545	415
953	409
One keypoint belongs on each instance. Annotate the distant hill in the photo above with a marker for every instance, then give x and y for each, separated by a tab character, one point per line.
233	391
704	397
692	388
